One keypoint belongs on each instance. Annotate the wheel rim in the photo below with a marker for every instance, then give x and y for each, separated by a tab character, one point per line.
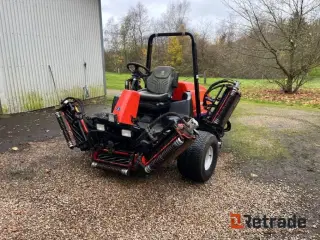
208	159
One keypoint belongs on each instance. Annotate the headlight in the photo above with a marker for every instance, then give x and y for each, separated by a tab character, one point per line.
100	127
111	117
126	133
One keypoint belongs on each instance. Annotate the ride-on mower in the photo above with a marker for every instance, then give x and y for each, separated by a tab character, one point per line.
167	119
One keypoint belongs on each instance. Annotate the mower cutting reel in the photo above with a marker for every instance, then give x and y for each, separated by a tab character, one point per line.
166	119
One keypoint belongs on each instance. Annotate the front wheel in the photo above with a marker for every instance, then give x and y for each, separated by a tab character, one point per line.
199	161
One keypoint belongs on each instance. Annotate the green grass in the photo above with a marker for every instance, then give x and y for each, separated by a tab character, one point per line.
312	84
259	103
315	72
255	90
252	142
116	81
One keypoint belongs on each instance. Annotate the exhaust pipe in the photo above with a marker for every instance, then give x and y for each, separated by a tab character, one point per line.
102	166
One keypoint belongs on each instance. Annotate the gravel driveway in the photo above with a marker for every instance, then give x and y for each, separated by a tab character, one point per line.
50	192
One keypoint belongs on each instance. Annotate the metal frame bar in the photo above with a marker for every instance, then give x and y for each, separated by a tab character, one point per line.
194	61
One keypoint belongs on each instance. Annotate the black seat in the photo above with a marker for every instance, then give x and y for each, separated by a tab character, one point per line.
160	84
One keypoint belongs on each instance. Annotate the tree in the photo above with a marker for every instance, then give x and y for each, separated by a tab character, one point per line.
139	27
112	45
111	35
142	21
125	35
174	52
175	15
285	36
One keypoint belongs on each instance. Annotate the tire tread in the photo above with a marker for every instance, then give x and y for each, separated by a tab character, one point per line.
190	162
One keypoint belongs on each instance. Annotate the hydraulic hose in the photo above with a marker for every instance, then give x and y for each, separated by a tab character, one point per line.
151	125
165	115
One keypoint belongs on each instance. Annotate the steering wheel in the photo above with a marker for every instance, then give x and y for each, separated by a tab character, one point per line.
138	69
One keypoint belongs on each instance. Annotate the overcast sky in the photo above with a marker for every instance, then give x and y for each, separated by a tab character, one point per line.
212	10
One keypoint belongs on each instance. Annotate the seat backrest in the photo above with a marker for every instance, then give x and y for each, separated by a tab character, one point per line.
162	80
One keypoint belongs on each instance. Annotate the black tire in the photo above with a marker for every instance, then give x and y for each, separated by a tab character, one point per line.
191	163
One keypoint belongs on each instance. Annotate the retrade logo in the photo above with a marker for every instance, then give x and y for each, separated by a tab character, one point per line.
235	219
266	222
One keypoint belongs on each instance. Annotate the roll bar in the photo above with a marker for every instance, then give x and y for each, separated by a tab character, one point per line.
194	61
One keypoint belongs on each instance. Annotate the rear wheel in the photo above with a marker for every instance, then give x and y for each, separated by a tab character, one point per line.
199	161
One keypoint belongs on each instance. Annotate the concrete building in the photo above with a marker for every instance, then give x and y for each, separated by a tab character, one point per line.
45	39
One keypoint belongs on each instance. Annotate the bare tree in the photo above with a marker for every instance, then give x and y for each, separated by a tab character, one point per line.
204	37
125	39
111	35
112	45
140	25
285	35
143	22
124	35
176	15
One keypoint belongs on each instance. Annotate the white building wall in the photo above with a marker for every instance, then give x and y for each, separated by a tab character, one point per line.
34	34
2	83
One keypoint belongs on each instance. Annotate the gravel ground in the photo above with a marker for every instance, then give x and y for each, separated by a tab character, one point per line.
50	192
34	126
